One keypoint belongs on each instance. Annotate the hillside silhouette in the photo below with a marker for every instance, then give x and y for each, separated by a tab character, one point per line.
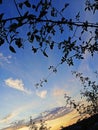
90	123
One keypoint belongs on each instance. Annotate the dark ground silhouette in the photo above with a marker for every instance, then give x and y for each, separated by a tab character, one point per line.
90	123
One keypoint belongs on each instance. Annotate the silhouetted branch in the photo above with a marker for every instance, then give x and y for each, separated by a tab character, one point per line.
17	7
37	20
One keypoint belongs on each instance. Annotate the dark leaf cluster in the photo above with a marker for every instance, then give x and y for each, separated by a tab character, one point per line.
89	94
44	22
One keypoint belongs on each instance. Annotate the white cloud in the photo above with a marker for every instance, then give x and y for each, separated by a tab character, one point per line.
41	94
17	84
58	92
5	58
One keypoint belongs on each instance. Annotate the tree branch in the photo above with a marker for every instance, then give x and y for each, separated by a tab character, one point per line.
37	20
17	8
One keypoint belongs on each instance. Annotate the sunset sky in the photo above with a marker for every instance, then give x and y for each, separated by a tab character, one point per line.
19	98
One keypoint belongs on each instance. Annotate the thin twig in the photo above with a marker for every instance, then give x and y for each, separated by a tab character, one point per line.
17	8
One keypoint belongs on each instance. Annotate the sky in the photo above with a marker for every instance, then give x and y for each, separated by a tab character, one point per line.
19	72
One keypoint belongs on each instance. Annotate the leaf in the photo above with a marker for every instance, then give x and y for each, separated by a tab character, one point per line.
33	6
20	5
1	41
29	33
0	1
53	12
26	14
18	43
80	38
52	45
13	27
27	3
66	5
32	37
37	38
35	31
40	44
45	54
42	13
12	49
45	80
78	16
34	49
1	15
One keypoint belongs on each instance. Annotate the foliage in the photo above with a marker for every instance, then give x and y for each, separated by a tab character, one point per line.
43	126
42	21
89	94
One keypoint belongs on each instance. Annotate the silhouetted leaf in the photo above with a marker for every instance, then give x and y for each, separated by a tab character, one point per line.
18	43
29	33
65	6
1	16
42	13
21	5
26	14
12	49
33	6
34	49
80	38
52	45
53	12
32	37
78	16
35	31
27	3
1	41
45	80
45	54
37	37
13	27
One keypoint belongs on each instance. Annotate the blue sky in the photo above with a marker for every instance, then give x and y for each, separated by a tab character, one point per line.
19	99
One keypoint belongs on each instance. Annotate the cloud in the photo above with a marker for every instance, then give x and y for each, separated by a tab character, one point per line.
15	113
19	112
9	117
5	58
16	84
41	94
12	115
58	92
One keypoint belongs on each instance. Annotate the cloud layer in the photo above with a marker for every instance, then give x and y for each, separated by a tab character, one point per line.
16	84
9	117
41	94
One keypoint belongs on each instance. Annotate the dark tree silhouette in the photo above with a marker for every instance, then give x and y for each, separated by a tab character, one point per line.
88	105
42	21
